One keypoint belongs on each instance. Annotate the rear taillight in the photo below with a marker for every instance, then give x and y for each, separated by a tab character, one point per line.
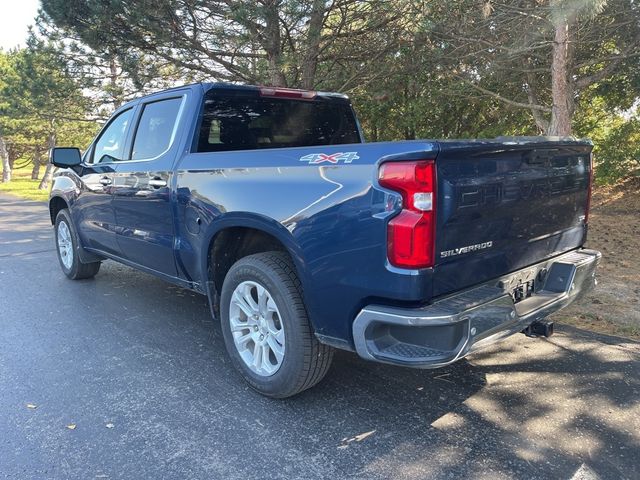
411	234
590	188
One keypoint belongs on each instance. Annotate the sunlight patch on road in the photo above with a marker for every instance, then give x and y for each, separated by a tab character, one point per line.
449	421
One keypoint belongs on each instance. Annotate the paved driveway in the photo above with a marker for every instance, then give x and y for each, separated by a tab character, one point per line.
139	370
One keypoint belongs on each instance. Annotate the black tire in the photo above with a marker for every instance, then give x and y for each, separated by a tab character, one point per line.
306	360
76	270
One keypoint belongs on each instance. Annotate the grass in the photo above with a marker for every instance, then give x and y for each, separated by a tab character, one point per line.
595	323
22	186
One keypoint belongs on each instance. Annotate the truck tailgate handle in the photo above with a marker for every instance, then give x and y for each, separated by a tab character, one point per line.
157	183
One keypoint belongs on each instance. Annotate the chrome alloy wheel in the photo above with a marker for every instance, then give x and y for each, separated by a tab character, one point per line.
65	245
256	325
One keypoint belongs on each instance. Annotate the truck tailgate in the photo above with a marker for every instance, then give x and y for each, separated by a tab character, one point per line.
506	204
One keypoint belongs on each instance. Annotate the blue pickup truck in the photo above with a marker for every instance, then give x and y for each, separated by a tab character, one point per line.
305	238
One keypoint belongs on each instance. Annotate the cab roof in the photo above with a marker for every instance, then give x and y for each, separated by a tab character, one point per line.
241	89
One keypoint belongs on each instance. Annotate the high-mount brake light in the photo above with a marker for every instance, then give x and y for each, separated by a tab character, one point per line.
411	234
287	93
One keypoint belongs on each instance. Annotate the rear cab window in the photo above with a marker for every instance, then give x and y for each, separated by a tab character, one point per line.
156	128
249	122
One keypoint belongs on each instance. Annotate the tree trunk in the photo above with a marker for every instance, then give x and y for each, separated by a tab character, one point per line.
113	82
272	44
46	178
6	167
542	122
561	91
314	34
13	156
37	161
48	172
409	133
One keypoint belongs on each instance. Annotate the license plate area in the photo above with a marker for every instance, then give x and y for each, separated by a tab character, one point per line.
522	291
522	284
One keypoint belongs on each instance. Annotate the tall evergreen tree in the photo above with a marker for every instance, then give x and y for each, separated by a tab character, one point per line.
280	42
543	57
41	104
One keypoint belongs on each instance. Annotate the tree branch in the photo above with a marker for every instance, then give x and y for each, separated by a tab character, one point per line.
497	96
538	117
584	82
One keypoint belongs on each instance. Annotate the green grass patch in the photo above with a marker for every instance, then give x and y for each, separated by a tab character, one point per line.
22	186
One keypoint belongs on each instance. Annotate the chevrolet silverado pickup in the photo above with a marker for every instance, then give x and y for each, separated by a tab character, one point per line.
305	238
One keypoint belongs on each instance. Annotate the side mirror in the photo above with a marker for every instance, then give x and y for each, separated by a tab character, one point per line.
65	157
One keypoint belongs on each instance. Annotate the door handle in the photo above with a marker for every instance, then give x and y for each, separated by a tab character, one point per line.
105	181
157	183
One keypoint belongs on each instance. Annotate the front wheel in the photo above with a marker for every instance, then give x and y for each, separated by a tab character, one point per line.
266	329
67	249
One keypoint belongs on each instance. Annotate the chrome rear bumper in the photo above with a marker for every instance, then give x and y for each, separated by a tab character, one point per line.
454	326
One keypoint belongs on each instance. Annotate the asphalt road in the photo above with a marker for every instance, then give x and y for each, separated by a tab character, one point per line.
138	368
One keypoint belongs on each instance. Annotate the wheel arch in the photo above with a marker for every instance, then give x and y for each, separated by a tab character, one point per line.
236	236
56	204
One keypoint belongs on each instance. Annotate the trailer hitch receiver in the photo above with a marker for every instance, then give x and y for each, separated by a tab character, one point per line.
539	329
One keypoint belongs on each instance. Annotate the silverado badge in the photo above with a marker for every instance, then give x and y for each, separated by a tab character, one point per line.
467	249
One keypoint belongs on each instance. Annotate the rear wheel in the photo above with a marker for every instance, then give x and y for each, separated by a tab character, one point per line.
67	249
266	329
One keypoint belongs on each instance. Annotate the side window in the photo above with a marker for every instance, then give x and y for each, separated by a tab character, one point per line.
156	128
110	145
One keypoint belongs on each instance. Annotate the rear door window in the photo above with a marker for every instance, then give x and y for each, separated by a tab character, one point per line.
246	123
156	129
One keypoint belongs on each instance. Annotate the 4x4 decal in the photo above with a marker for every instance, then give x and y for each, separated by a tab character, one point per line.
316	158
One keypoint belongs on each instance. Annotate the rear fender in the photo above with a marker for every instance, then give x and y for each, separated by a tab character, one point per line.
257	222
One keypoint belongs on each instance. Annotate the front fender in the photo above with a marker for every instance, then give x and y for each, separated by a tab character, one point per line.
65	186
